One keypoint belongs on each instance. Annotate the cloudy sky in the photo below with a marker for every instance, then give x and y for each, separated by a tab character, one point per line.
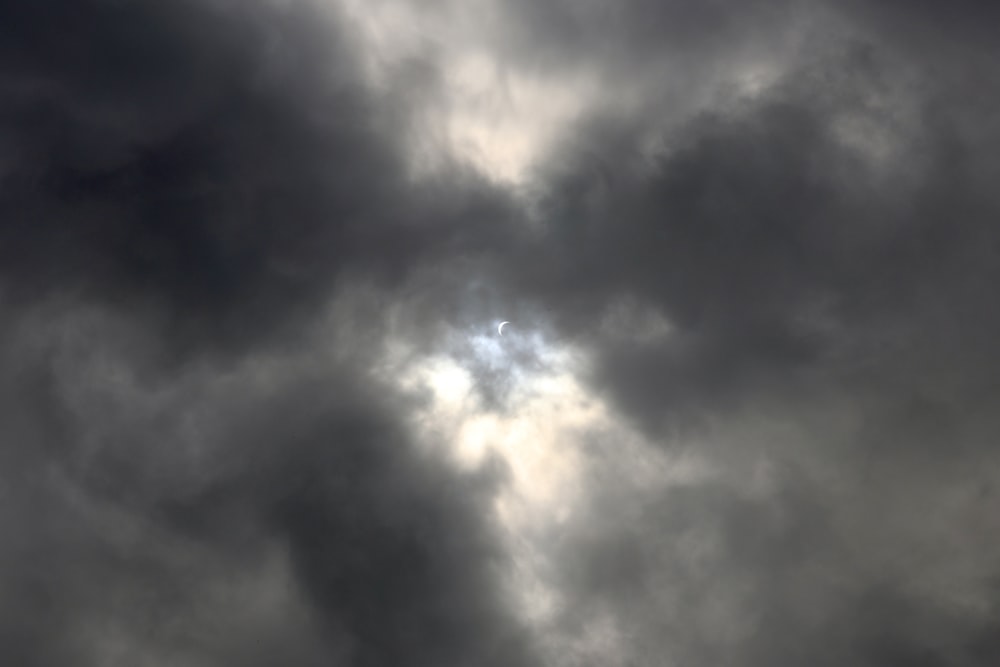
255	409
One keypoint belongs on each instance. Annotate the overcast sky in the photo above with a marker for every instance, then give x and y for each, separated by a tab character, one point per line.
255	409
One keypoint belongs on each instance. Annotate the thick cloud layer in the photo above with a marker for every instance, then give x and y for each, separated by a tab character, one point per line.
183	188
824	254
759	236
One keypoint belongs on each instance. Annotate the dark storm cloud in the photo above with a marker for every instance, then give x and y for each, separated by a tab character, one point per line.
788	236
826	254
153	154
202	180
217	167
192	182
209	518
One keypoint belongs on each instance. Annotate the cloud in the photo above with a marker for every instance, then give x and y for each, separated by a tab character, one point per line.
218	167
252	257
817	253
194	474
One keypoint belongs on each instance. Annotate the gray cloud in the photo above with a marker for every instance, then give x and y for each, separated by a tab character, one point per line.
183	189
824	255
210	233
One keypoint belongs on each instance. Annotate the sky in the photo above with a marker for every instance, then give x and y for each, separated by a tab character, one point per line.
255	406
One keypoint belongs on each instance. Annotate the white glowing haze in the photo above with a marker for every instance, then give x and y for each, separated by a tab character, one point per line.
500	118
488	113
544	439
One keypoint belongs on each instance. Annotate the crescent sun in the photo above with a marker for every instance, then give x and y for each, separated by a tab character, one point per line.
500	328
